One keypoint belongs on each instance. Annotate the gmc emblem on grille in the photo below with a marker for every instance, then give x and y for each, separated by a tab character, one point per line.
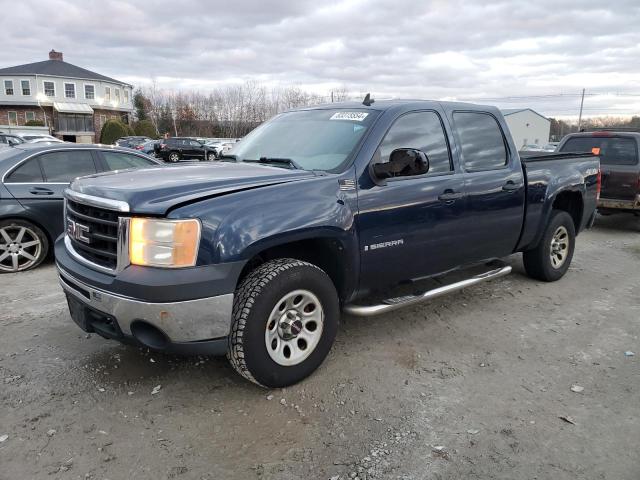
77	231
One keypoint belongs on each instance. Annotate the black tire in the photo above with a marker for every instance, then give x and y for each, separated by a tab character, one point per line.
31	233
255	299
174	157
538	262
211	156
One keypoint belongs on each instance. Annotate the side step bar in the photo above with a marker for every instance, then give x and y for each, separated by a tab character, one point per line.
392	304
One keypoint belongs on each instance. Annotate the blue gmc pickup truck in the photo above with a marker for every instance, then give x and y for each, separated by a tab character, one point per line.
309	215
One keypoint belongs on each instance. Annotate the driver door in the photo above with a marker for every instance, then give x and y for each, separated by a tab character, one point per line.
412	227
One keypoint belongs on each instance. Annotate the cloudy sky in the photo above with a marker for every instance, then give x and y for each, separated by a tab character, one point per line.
508	53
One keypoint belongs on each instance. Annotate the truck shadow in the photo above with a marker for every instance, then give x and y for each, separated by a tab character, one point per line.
623	222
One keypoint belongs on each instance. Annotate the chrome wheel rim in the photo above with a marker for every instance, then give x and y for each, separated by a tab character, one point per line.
20	248
559	247
294	328
173	157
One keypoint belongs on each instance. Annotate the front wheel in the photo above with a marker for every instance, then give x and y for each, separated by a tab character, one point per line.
174	157
550	260
211	156
285	318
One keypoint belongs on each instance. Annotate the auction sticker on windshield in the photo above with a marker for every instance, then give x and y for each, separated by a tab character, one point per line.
357	116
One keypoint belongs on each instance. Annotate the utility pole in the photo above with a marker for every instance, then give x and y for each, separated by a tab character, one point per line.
331	96
580	116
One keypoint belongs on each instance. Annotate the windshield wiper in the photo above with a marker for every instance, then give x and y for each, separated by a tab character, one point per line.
277	161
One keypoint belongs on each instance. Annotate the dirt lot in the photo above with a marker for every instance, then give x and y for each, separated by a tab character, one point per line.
472	385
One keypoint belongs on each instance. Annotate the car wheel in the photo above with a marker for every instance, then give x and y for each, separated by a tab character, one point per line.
285	318
550	260
23	246
211	156
174	157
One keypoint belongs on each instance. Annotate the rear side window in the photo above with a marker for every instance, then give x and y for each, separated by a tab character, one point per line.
28	172
422	131
613	150
65	166
121	161
481	141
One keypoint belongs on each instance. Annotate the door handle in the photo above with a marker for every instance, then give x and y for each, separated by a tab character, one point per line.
41	191
450	195
510	186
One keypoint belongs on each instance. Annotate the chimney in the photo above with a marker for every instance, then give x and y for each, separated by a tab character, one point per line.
53	55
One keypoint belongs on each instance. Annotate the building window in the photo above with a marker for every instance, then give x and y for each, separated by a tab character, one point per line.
89	92
117	95
8	87
26	87
69	90
30	116
49	89
126	95
107	94
74	123
13	119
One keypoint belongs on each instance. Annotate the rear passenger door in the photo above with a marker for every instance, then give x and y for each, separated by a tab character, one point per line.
494	184
39	183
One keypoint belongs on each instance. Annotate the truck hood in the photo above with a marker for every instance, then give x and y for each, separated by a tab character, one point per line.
156	190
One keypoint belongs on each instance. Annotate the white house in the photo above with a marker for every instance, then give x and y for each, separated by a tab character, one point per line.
527	126
72	102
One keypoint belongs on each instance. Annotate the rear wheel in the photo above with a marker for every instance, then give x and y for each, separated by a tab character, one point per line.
285	318
23	246
550	260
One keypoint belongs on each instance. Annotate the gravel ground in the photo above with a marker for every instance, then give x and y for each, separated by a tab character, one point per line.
473	386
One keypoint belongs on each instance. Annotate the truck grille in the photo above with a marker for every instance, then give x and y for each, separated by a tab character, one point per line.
93	233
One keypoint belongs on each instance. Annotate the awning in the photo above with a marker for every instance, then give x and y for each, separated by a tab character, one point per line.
72	108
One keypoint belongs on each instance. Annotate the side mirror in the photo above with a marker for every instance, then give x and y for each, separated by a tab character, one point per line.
403	162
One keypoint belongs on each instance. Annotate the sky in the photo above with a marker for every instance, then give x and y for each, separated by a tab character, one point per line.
537	53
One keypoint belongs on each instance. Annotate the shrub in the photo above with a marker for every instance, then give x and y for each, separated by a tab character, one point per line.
130	131
145	128
113	130
34	123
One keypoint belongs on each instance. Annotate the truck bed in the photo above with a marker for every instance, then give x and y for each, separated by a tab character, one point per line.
546	173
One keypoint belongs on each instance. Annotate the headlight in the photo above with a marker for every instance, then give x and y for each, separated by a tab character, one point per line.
163	243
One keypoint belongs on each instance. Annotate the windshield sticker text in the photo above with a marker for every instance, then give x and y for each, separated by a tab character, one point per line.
355	116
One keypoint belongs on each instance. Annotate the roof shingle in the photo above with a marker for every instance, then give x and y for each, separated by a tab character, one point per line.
56	68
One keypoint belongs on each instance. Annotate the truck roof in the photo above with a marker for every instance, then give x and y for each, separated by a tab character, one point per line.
383	105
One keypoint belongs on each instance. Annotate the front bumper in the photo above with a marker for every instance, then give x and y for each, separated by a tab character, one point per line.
187	311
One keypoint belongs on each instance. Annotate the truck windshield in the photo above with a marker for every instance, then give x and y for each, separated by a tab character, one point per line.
311	139
613	150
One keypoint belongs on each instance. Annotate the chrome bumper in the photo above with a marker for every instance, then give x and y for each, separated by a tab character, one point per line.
188	321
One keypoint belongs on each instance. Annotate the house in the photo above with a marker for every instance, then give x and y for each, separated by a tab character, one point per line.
527	126
56	97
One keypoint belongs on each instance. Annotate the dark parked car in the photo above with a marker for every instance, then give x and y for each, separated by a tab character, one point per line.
10	139
256	255
175	149
131	142
618	153
32	180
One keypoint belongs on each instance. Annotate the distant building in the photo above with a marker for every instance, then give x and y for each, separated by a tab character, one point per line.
527	126
69	102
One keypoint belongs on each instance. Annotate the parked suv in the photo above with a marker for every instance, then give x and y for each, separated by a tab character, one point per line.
178	148
175	149
618	153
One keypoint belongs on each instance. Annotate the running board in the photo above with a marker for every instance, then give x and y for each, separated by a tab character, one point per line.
399	302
